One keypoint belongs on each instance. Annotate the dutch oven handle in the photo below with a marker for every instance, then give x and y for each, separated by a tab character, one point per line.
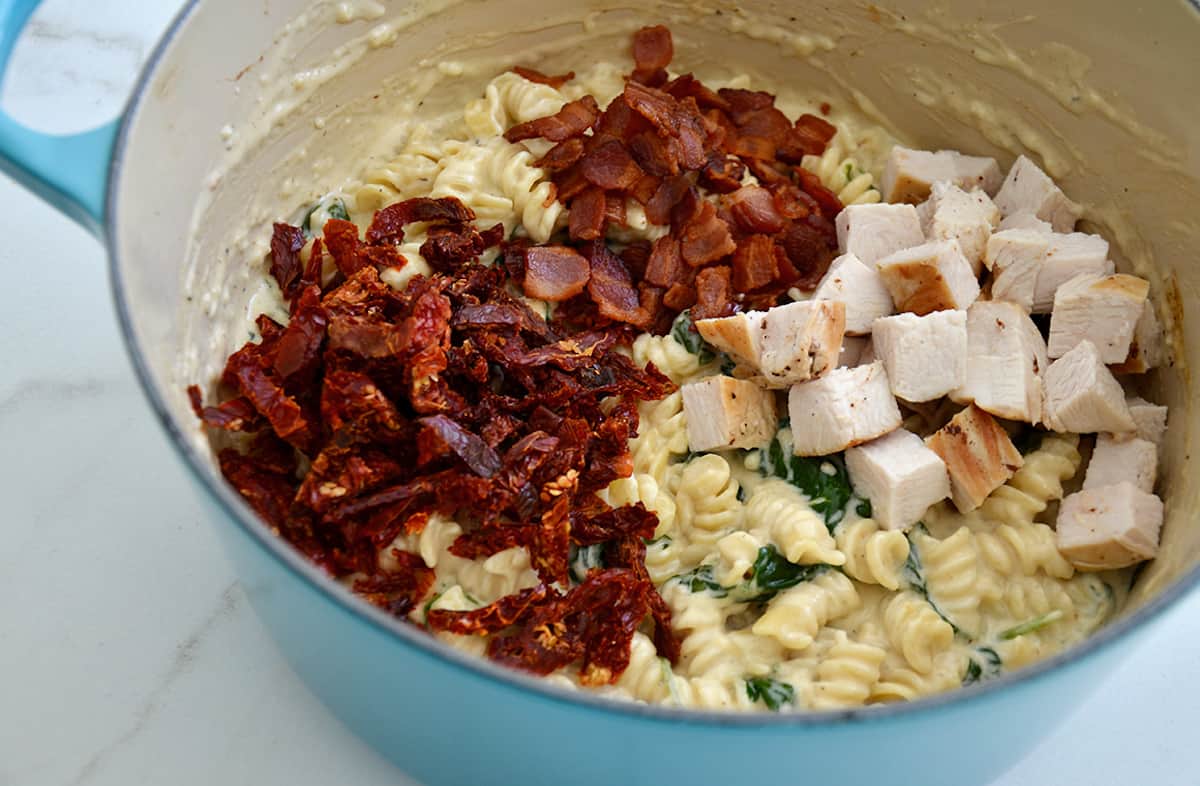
68	171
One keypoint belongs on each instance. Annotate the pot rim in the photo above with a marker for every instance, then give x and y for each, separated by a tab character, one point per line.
240	514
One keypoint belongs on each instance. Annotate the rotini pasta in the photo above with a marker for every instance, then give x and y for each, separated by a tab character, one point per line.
776	507
916	630
842	175
873	556
796	616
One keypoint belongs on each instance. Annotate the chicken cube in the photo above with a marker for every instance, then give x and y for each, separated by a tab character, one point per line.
853	348
1028	188
871	232
1103	309
782	345
925	357
1068	256
1082	396
968	217
929	277
910	174
739	335
1006	357
900	475
1150	420
861	288
979	456
1015	257
1109	527
1117	460
723	412
846	407
1025	219
1146	349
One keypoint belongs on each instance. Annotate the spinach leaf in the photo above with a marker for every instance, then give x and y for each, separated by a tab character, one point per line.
585	559
913	576
1028	440
336	209
1029	626
701	580
984	664
823	480
864	508
771	574
771	692
684	332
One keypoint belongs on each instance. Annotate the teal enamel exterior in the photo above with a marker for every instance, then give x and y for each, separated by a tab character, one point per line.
68	171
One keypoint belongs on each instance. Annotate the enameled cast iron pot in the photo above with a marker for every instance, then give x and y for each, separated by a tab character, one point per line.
1103	93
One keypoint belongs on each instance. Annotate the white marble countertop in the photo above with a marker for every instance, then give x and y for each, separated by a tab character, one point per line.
127	652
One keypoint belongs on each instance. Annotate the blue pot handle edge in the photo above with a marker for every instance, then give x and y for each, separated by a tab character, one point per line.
70	172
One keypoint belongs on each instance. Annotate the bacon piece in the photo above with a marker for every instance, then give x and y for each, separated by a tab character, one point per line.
687	85
679	297
534	75
653	49
236	414
614	210
750	147
588	213
809	251
654	154
766	123
570	183
809	136
722	174
706	238
714	297
753	210
619	121
473	451
666	196
555	273
665	266
493	618
611	287
387	226
572	120
610	167
286	242
742	102
826	199
341	238
636	256
398	593
754	264
793	203
680	119
562	156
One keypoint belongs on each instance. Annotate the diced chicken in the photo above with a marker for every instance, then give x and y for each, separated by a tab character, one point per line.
1150	420
979	456
954	214
1122	460
871	232
723	412
1146	349
853	348
1102	309
1015	257
1030	189
860	287
929	277
925	357
910	174
1082	396
1068	256
900	475
846	407
782	345
1006	357
1025	219
1109	527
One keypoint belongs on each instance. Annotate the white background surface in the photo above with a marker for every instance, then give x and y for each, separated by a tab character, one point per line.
127	652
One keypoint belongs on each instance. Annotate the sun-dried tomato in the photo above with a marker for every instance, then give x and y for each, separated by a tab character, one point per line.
399	591
389	222
506	612
236	414
341	238
286	242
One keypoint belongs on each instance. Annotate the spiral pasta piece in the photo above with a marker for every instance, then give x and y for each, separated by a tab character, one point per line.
847	673
873	556
795	616
777	507
1038	482
952	576
916	630
707	496
842	175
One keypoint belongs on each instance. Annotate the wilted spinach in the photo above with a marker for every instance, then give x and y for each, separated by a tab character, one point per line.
337	209
685	333
984	664
823	480
771	574
771	692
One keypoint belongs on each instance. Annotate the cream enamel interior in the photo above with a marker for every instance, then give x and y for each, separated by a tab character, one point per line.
1112	123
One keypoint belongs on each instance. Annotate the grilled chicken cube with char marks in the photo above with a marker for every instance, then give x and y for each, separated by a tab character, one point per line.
1109	527
925	357
782	345
860	288
871	232
968	217
910	175
1082	396
929	277
979	456
1116	460
1028	188
1006	357
846	407
723	412
1103	309
900	475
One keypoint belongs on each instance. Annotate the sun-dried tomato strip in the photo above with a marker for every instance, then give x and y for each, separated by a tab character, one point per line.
286	242
627	521
555	273
400	591
388	224
534	75
341	238
268	493
572	120
506	612
299	347
236	414
474	452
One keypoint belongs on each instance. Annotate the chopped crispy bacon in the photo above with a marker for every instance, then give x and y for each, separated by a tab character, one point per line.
611	287
388	224
286	242
534	75
754	264
610	166
809	136
706	238
493	618
742	102
665	266
722	173
713	293
614	210
679	297
793	203
809	250
589	212
653	49
572	120
555	273
753	209
828	201
687	85
655	154
562	156
666	196
398	592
